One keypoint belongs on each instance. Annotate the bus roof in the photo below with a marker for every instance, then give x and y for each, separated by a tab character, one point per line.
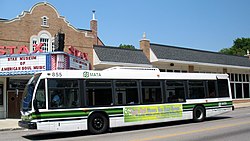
129	73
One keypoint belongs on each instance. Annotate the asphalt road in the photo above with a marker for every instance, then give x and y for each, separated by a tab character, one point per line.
231	126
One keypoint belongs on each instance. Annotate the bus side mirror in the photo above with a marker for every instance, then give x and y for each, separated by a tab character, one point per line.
35	106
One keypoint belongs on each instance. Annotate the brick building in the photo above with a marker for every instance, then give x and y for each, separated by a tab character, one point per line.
32	35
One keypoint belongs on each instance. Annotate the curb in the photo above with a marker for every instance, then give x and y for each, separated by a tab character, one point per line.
11	129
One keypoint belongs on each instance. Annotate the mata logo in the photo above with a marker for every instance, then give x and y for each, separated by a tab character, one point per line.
85	74
91	74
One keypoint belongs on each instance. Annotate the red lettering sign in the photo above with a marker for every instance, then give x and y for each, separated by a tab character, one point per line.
2	52
38	47
11	48
21	49
78	53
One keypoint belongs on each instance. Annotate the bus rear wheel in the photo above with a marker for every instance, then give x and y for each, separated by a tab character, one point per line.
97	123
199	114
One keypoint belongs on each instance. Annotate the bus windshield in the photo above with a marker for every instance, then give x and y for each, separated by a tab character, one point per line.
28	93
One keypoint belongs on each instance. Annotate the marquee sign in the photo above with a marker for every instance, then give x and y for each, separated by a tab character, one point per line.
78	63
26	63
22	64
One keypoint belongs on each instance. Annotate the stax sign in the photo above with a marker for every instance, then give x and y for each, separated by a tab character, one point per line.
78	53
24	49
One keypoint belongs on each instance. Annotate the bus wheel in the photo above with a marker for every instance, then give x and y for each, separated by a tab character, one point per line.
199	114
97	123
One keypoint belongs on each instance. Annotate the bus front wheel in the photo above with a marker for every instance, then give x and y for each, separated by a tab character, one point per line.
97	123
199	114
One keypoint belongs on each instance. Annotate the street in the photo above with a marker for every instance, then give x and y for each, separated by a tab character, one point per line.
227	127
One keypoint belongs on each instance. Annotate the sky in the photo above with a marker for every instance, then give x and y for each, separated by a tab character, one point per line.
198	24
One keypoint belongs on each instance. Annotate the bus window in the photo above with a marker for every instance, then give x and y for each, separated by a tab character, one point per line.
126	92
223	88
151	91
40	95
211	89
99	92
63	93
175	91
196	89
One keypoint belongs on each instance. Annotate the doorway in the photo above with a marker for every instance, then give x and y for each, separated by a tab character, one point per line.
14	102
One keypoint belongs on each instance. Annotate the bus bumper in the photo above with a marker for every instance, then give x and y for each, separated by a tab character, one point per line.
27	124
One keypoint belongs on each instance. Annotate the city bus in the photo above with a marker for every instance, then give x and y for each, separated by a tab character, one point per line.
71	100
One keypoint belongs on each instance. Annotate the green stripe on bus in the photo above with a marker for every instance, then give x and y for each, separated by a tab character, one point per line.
208	105
75	113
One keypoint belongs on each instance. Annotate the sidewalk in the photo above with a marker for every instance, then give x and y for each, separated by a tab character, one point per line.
9	124
12	124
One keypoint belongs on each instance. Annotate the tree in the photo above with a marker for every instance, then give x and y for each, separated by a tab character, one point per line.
127	46
240	47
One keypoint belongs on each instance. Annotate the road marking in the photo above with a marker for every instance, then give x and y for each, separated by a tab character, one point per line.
192	131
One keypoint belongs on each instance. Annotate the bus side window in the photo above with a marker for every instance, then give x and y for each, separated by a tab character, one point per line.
151	91
126	92
64	93
99	92
223	90
196	89
211	89
175	91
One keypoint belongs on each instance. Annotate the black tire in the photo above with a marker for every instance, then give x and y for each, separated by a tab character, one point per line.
98	123
199	114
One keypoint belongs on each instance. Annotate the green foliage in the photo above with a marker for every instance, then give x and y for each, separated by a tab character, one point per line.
126	46
240	47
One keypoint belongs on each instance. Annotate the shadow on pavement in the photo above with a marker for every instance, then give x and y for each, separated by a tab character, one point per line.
60	135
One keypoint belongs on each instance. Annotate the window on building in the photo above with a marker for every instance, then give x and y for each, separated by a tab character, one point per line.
53	44
42	37
238	90
34	42
99	92
240	77
246	90
14	84
175	91
1	94
232	90
232	77
244	77
44	21
162	70
45	42
151	92
236	77
126	92
63	93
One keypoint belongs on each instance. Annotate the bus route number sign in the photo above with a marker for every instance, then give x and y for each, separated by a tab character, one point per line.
56	74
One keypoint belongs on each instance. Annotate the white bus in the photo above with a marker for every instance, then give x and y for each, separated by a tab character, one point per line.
70	100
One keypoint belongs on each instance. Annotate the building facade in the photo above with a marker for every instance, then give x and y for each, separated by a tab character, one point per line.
31	43
178	59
